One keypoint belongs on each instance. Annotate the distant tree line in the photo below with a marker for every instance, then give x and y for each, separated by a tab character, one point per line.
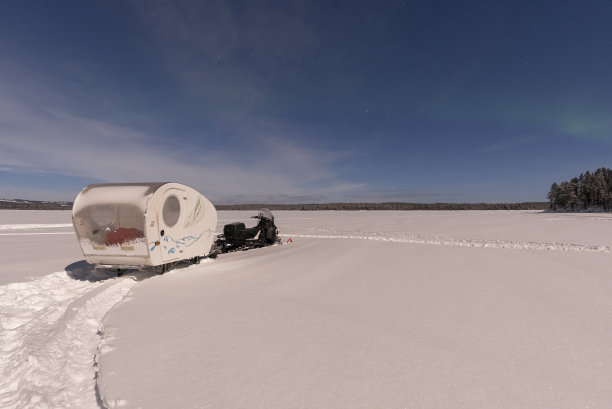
36	205
589	190
391	206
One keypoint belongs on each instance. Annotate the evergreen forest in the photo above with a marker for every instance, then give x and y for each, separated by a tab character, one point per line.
587	191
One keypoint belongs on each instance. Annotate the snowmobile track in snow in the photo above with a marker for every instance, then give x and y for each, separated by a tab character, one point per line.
443	241
50	329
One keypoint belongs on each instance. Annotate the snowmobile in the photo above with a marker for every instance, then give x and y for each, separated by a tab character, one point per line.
237	237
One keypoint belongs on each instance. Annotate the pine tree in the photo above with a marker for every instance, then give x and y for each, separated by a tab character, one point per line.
586	191
552	195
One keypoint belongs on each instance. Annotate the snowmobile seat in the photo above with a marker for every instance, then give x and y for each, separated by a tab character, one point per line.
234	232
237	233
251	232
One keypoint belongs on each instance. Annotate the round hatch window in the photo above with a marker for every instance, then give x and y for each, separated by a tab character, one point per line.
171	211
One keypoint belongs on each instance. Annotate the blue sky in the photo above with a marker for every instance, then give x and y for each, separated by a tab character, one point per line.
305	101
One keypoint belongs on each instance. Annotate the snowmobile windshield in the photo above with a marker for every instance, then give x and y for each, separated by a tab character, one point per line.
265	214
110	219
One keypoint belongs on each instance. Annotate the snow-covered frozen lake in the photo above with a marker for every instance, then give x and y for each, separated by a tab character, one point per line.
474	309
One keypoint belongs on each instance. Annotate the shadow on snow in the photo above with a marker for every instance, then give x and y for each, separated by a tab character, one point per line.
83	271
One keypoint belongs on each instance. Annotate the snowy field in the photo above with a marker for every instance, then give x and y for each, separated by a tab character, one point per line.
475	309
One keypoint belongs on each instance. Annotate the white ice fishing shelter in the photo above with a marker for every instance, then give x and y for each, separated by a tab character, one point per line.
134	225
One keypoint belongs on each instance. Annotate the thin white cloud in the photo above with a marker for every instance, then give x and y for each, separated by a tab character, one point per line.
38	140
43	129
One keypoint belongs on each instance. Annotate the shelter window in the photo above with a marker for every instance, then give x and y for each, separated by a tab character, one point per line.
102	215
110	223
171	211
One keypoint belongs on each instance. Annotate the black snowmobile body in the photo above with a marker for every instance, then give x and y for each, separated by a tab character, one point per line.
236	236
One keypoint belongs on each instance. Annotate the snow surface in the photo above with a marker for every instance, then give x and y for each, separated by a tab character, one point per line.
471	309
35	243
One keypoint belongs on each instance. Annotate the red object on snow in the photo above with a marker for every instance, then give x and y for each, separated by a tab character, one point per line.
122	235
289	240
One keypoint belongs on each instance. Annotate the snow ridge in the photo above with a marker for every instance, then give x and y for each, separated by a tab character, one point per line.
482	243
36	233
49	335
33	226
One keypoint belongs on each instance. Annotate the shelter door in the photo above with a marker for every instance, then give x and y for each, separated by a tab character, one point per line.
170	217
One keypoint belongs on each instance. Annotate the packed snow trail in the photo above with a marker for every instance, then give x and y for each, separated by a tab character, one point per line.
444	241
30	226
50	329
